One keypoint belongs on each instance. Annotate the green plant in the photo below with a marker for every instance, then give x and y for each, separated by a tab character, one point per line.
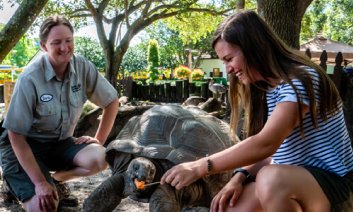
197	74
182	72
153	60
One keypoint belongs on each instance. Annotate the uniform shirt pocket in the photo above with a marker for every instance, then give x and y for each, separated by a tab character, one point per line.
76	106
47	118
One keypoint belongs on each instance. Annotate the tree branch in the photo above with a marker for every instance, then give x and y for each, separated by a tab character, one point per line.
18	25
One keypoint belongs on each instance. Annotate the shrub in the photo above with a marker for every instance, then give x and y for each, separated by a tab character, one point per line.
182	72
197	74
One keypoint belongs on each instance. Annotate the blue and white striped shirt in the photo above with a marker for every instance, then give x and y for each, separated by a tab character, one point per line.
327	147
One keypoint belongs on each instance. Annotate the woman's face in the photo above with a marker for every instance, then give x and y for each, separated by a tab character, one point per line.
59	45
233	58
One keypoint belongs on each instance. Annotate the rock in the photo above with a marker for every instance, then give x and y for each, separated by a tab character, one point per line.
193	100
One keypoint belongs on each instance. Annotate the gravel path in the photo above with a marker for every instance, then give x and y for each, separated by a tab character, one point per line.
81	188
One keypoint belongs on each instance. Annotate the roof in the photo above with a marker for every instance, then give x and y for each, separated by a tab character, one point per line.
319	44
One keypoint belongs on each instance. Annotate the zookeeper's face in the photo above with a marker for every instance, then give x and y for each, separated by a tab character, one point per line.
233	58
59	45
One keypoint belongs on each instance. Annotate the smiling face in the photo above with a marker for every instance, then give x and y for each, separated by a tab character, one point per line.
233	58
59	46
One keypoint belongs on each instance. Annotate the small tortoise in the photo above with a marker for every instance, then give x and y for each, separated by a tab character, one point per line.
150	144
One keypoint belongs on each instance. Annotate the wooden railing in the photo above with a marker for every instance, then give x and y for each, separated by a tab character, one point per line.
169	92
337	75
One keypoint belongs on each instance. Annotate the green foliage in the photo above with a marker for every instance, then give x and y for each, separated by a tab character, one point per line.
90	49
182	72
197	74
172	48
23	52
193	26
153	53
339	25
153	59
333	18
135	58
313	20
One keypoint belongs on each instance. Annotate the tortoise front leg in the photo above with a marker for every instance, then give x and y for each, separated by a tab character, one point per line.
164	198
167	198
107	196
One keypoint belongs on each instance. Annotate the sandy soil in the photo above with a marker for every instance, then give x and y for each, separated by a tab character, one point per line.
81	188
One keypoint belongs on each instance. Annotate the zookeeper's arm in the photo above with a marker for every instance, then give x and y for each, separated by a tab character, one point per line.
44	190
107	121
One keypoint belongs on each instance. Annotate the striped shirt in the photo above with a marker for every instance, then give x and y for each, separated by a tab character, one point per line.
327	147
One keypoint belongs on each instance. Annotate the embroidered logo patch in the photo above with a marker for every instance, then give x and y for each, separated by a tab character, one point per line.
46	97
76	88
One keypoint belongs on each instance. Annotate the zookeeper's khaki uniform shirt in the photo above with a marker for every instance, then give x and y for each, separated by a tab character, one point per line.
45	108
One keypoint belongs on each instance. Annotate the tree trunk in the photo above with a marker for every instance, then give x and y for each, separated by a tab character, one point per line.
113	62
284	17
110	72
19	24
240	4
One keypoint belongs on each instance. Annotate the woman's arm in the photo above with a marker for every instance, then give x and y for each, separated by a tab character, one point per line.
279	125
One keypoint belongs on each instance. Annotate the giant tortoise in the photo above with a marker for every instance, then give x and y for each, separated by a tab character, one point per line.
150	144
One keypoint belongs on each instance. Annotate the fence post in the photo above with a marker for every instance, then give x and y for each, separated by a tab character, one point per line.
204	90
128	84
168	92
162	93
192	89
134	90
337	71
152	92
308	53
173	93
179	90
8	89
186	89
145	92
323	60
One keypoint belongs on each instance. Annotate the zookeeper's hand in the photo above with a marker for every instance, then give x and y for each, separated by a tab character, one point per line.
181	175
86	139
47	196
229	194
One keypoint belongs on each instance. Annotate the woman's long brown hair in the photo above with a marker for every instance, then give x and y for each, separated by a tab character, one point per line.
265	52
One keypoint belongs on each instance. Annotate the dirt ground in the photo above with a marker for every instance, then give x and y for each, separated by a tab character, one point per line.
81	188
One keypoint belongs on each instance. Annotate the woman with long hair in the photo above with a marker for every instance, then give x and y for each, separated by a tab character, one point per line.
296	154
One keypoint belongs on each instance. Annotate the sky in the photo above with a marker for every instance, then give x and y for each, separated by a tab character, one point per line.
7	12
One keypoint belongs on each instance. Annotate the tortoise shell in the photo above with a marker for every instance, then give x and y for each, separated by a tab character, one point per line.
174	133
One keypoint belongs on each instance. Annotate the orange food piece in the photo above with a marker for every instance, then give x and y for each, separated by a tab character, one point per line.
139	184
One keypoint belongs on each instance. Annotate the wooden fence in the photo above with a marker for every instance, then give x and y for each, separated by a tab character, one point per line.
344	83
339	77
169	92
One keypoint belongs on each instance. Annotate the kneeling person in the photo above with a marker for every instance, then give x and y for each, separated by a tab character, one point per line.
45	107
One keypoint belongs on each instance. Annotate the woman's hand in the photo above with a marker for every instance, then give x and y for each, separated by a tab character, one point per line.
228	195
182	175
47	196
86	139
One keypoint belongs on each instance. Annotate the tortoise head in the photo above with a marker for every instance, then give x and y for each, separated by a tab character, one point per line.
140	171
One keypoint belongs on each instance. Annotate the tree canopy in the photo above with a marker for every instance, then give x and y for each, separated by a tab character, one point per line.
126	19
190	22
18	25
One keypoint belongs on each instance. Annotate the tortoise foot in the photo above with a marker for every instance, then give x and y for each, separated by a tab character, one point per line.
106	197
